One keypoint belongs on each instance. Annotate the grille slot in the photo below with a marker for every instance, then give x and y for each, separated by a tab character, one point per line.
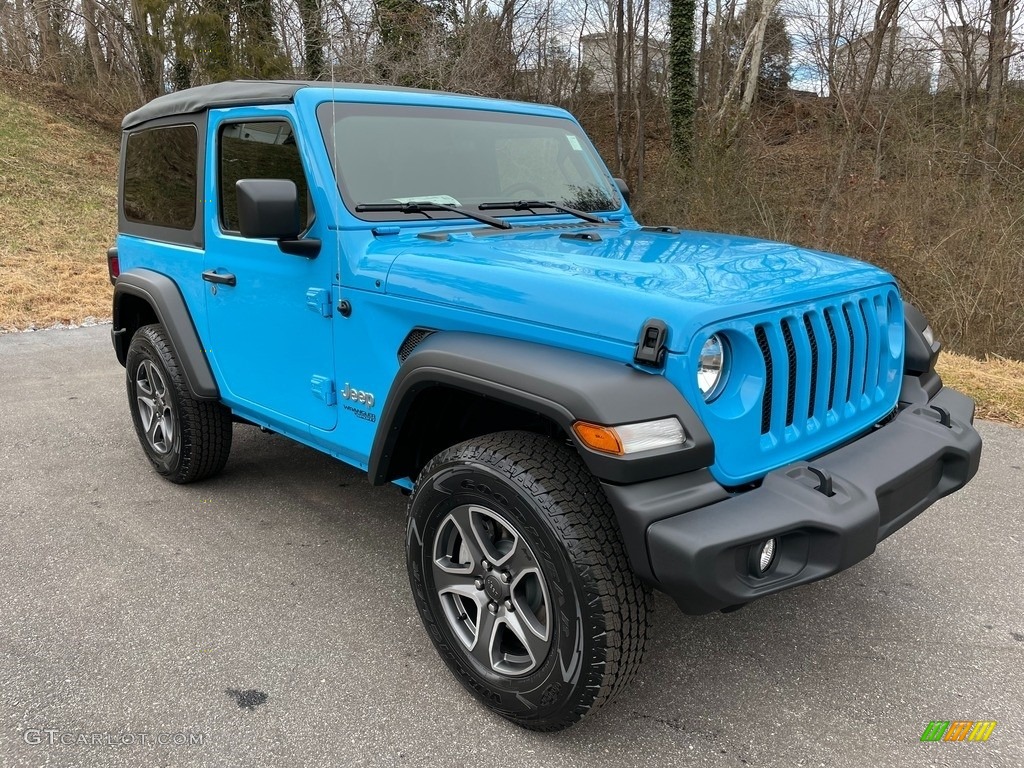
835	359
873	342
787	336
812	339
413	340
769	379
852	348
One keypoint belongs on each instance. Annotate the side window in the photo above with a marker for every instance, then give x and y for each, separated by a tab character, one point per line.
259	150
160	176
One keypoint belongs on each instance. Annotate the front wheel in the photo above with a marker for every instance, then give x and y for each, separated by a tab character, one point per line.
519	573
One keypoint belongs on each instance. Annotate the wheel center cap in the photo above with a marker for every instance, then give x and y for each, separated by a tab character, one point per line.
494	588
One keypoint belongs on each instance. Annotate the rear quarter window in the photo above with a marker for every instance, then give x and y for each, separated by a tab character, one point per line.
160	176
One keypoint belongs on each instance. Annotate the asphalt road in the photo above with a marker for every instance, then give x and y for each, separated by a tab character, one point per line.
129	605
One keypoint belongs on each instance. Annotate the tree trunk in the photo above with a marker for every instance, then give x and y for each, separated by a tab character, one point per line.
750	91
618	89
997	55
642	89
218	62
49	51
702	57
885	14
681	76
737	75
312	38
92	40
714	88
16	32
147	51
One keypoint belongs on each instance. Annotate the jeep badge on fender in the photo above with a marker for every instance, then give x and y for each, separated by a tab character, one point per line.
358	396
581	408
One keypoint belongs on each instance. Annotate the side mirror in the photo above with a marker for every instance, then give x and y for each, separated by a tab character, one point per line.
269	208
623	189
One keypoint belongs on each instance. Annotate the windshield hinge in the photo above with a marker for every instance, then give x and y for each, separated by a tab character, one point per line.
650	348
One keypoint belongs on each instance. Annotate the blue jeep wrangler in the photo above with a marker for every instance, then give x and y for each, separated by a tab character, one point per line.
452	294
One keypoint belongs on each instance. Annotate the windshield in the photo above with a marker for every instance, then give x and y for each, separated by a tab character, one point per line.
458	157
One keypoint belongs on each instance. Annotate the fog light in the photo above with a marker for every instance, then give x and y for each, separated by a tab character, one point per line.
763	556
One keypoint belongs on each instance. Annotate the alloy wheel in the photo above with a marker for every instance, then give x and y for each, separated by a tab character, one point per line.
492	590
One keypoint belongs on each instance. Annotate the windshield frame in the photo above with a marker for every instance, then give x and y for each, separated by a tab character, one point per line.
329	111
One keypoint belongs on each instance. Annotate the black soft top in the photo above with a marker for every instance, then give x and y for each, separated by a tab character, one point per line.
236	93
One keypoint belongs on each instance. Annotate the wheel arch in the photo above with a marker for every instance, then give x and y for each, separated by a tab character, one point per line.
455	386
141	297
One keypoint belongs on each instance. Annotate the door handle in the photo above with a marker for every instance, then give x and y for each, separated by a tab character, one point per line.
212	276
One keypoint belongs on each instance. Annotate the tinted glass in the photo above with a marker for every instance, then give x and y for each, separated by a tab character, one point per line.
259	150
462	157
160	177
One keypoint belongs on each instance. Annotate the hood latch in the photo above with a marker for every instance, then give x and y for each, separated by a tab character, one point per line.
650	347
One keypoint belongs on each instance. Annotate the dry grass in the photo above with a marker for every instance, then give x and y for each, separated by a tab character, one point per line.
997	384
58	195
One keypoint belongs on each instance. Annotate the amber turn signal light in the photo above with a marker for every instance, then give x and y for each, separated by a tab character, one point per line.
599	438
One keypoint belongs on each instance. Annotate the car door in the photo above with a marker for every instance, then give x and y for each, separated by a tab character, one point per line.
269	313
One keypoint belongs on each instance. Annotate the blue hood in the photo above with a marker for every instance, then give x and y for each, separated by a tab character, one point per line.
608	288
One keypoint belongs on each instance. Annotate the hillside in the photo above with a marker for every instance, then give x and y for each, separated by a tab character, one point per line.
58	194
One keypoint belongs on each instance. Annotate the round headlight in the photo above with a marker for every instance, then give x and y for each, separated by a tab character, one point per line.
711	367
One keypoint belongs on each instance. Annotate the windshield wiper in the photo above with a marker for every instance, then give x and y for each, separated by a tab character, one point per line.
424	208
529	205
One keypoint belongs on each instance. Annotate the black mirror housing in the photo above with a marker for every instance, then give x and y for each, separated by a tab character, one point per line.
268	208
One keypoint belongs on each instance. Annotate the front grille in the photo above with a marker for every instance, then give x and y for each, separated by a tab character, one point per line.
799	367
805	378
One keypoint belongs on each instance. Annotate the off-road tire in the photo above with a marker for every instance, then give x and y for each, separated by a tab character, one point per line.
599	607
197	440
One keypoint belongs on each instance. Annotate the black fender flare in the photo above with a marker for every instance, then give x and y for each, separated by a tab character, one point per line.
919	357
164	296
920	381
560	385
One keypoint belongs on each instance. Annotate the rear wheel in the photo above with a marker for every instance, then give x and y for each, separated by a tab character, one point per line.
185	439
521	580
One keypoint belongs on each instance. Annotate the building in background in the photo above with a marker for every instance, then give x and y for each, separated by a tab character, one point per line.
597	59
905	64
963	60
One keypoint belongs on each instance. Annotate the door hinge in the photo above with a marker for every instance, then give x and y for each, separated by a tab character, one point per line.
650	347
323	389
319	300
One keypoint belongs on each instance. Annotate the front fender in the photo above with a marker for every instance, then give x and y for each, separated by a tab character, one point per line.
561	386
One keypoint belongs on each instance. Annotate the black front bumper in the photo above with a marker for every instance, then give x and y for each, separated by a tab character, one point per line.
693	540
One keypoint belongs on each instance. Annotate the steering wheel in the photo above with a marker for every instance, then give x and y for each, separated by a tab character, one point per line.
524	190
